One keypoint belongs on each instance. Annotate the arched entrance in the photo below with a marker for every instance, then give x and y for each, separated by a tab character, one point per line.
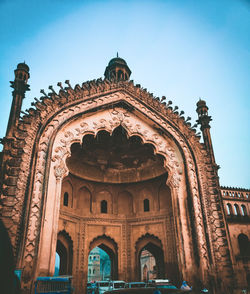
152	145
117	170
64	249
147	266
109	246
99	265
150	257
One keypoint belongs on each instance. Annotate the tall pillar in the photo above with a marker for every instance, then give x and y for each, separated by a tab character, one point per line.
20	86
221	272
204	120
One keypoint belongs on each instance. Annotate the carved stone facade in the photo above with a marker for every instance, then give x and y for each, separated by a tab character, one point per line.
237	210
108	164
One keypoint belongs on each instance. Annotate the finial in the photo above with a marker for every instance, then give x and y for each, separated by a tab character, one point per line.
117	54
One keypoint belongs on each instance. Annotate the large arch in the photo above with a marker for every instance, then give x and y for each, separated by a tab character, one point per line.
74	130
170	137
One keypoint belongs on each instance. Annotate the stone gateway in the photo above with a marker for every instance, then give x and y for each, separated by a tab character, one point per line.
106	164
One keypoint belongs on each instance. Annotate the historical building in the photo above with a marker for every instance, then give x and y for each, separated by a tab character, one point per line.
107	164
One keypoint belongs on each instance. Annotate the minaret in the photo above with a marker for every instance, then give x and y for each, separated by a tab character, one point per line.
117	70
20	86
204	120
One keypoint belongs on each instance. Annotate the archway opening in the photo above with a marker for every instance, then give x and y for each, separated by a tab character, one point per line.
57	265
64	254
147	266
150	258
118	177
99	265
63	258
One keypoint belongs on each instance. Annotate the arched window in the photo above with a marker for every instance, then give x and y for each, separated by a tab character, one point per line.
93	271
243	244
236	209
229	209
104	206
120	75
90	271
66	199
146	205
243	210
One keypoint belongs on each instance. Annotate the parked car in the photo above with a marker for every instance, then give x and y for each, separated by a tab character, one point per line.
90	288
136	285
53	285
117	285
150	290
102	286
161	283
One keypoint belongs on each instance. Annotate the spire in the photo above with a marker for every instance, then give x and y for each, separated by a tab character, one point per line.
20	86
204	120
117	69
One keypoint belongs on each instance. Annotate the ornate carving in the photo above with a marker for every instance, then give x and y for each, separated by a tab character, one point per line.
49	116
60	170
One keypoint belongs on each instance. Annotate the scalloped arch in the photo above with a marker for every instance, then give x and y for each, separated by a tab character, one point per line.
106	240
65	235
76	130
145	239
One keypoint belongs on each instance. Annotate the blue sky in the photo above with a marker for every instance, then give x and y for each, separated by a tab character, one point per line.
183	49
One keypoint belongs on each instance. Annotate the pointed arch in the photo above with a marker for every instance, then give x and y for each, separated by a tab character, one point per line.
64	248
244	245
109	245
154	245
71	130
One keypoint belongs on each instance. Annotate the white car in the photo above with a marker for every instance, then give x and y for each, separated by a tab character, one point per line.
102	286
117	285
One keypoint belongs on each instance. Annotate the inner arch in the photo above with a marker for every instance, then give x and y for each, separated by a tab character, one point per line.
114	158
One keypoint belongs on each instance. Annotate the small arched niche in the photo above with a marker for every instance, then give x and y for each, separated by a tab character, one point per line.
125	203
103	202
67	193
165	201
84	201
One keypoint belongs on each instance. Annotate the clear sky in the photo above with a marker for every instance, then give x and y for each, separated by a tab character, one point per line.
183	49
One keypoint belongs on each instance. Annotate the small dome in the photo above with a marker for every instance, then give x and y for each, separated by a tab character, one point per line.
117	69
117	60
23	66
201	103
